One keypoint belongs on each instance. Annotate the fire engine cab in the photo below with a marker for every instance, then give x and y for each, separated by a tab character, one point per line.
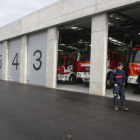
112	61
134	68
66	70
68	67
72	68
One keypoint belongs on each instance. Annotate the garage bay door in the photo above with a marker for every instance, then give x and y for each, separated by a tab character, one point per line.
36	73
1	60
13	59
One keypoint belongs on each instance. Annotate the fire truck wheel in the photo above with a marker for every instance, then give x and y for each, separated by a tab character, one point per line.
86	84
108	82
72	79
135	89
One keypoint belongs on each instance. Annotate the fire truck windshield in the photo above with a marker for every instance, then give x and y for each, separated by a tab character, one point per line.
135	57
60	61
84	56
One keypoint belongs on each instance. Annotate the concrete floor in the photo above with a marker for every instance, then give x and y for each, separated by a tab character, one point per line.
36	113
128	93
79	87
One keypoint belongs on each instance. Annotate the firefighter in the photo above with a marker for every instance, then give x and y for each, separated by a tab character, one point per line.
118	79
138	81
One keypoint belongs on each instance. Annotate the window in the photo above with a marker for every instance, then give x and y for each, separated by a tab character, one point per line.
115	56
69	61
135	56
61	61
84	56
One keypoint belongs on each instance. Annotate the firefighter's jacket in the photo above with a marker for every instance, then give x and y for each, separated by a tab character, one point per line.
118	77
138	80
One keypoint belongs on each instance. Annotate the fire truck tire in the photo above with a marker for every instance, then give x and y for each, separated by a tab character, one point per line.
136	89
72	79
108	83
86	84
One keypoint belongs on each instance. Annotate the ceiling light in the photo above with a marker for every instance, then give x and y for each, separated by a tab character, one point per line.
114	40
80	29
110	38
119	42
63	44
74	28
60	50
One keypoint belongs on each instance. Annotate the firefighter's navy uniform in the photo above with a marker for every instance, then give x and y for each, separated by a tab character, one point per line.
118	77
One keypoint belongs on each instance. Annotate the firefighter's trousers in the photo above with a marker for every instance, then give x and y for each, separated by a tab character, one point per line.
119	90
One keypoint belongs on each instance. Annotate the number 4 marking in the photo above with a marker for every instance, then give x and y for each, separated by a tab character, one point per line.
13	63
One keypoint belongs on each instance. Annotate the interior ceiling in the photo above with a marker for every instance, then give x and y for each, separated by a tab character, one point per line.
133	13
75	37
124	27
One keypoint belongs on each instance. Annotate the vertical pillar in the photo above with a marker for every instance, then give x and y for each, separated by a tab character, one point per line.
52	54
5	61
99	42
23	59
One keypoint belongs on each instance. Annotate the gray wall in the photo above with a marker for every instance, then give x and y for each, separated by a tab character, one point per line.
59	13
49	18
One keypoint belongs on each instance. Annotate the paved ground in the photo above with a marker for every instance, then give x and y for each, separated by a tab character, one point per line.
79	87
35	113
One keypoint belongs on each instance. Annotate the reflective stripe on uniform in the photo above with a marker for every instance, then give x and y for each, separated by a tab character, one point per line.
114	94
119	76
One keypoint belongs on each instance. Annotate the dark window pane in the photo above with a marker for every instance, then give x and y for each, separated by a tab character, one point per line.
60	61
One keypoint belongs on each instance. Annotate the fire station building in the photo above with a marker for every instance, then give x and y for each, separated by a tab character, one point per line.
31	46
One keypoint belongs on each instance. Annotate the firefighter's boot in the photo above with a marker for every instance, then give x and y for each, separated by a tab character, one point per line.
124	108
115	106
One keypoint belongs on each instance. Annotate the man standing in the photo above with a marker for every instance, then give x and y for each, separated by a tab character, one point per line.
118	79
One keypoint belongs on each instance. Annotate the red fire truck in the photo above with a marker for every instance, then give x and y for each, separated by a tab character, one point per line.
72	68
134	68
112	61
69	66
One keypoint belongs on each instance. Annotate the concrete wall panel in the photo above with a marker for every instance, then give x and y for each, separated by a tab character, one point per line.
30	20
98	58
52	50
5	60
50	13
61	12
1	59
69	6
101	1
23	59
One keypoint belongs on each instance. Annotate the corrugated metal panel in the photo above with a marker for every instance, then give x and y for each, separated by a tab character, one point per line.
1	59
13	59
37	51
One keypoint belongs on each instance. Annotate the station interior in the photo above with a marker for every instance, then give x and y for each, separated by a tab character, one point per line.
123	35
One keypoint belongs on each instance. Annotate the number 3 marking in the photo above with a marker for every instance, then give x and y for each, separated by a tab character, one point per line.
38	59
